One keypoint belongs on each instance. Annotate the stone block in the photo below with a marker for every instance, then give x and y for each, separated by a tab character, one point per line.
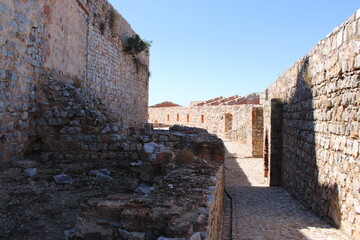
10	44
41	122
2	40
10	54
35	63
30	172
88	138
3	106
2	73
74	130
116	137
106	129
48	114
75	122
54	122
24	115
64	114
80	113
357	61
137	235
79	138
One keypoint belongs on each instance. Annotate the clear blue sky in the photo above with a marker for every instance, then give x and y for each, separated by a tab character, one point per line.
204	49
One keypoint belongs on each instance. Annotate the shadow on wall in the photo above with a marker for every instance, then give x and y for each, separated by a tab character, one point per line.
299	160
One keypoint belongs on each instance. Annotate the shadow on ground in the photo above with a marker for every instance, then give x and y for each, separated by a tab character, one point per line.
262	212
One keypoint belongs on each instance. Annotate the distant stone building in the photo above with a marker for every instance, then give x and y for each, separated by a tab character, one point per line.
165	104
236	118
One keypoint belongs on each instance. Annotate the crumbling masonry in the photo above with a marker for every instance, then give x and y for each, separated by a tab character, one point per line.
76	158
77	42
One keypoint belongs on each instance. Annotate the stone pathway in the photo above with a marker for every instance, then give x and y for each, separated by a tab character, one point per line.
267	213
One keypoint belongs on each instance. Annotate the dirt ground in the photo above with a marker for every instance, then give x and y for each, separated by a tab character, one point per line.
39	208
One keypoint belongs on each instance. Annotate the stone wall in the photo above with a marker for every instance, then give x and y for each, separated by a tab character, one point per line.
319	98
120	80
241	123
158	185
273	141
80	42
72	125
179	196
216	206
257	132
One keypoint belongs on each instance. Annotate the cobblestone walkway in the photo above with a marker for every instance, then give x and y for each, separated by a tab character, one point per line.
267	213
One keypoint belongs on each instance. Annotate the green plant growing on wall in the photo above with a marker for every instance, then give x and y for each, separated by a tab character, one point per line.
102	27
112	19
136	45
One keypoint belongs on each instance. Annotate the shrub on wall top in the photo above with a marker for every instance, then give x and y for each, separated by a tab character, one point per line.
136	45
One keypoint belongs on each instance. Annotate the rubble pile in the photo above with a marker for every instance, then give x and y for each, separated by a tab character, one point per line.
87	178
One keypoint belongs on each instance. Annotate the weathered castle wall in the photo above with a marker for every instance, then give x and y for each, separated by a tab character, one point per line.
319	100
80	41
257	123
242	123
120	82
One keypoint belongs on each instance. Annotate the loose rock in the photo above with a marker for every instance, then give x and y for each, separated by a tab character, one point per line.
144	189
63	178
30	172
100	174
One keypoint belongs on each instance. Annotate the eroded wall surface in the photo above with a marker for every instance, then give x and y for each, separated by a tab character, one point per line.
119	79
319	97
81	42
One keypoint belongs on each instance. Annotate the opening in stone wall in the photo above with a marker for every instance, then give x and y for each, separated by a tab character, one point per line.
228	122
266	155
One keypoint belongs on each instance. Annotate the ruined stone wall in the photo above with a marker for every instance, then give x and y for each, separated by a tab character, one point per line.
216	206
27	46
235	122
257	132
64	38
180	192
320	97
72	125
